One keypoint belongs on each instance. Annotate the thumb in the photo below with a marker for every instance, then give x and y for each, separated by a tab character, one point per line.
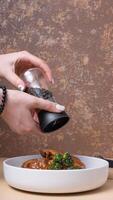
16	81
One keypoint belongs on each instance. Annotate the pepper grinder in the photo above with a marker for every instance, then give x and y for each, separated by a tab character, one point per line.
36	85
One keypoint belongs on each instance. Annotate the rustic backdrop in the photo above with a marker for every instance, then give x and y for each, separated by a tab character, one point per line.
75	38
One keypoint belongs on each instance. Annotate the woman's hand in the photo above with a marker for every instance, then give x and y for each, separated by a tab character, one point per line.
14	63
19	110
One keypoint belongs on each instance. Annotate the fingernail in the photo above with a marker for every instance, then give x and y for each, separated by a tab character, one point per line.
21	87
60	107
52	81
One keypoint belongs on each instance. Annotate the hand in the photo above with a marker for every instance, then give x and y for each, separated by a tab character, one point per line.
19	110
14	63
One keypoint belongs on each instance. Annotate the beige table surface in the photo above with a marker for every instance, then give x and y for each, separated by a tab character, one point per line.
8	193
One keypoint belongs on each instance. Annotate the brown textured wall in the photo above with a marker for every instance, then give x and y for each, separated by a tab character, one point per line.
76	38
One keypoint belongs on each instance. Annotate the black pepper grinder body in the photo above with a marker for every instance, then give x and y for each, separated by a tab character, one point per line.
36	85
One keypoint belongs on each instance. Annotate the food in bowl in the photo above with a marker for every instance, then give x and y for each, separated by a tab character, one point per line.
51	159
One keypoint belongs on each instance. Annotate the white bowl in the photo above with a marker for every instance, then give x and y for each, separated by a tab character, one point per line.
56	181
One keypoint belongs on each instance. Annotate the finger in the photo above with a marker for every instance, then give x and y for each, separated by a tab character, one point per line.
42	104
38	126
35	117
39	63
15	80
32	126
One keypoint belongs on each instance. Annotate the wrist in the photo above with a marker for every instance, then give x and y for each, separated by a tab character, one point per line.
3	98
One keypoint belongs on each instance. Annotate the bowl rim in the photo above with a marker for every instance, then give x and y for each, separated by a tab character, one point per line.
106	164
